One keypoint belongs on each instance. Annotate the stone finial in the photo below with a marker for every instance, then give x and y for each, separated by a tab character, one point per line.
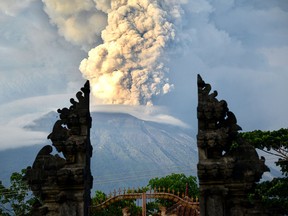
217	126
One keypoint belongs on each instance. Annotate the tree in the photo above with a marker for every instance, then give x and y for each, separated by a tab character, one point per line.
176	182
272	193
271	142
16	199
114	208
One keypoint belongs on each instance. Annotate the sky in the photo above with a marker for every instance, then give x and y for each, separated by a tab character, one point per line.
146	55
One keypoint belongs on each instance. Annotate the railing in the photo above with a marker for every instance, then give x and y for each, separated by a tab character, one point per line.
119	195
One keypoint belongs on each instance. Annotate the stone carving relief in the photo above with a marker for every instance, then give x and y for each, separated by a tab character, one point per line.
63	184
228	166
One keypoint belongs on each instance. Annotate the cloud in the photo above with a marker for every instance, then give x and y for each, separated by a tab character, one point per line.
78	21
34	59
276	56
251	23
146	113
200	6
128	67
237	46
18	137
240	48
13	7
103	5
20	113
32	107
17	114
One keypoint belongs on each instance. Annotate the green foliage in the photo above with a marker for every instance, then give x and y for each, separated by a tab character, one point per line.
17	199
176	182
271	142
152	207
273	194
114	208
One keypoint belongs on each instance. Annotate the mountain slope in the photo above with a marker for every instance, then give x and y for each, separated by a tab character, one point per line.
130	148
127	151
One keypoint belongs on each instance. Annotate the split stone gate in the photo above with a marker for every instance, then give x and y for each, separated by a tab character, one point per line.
227	170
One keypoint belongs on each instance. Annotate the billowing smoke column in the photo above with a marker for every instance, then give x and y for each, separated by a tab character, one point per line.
78	21
128	67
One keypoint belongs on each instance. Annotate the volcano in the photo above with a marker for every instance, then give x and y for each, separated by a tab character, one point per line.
127	151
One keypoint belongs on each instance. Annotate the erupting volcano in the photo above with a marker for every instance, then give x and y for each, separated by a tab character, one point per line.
128	67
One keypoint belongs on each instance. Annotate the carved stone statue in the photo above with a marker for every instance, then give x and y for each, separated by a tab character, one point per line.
63	184
228	166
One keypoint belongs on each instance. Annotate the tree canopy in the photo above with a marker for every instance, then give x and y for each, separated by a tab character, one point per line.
272	193
114	208
175	182
271	142
16	199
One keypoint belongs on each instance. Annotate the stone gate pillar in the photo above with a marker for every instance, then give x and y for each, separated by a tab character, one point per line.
63	184
228	167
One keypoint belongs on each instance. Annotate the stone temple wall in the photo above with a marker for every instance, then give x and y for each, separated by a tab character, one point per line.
228	167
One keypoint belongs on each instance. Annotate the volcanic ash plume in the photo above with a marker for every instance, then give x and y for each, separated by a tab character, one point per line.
78	21
128	67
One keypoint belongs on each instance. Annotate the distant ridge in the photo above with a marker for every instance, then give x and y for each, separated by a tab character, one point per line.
127	151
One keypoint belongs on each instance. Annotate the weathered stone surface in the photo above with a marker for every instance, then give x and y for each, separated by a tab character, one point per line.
63	184
228	166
